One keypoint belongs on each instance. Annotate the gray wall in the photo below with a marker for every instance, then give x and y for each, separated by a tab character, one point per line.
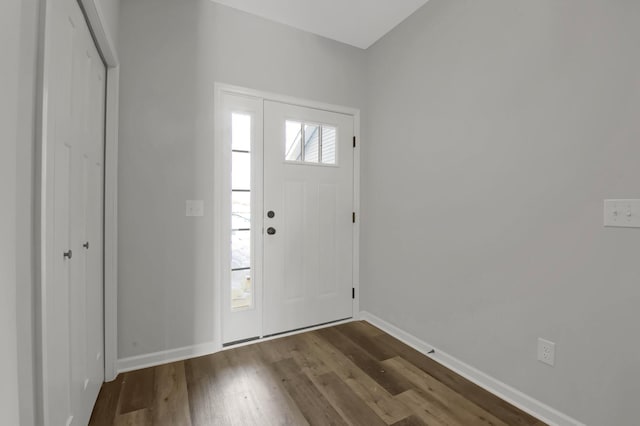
10	14
495	131
171	54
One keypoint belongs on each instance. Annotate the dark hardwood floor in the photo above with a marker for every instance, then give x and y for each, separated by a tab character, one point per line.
350	374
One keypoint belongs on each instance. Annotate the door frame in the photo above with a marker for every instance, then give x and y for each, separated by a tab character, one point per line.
220	165
43	190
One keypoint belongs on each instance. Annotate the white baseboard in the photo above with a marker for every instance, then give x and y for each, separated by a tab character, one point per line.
180	354
513	396
164	357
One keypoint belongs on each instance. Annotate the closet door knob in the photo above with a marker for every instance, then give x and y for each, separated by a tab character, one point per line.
67	255
86	245
271	231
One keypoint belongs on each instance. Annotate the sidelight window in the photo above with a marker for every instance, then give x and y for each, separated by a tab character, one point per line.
242	291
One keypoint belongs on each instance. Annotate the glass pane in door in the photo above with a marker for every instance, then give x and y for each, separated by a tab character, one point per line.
312	143
293	141
241	290
240	132
328	145
240	210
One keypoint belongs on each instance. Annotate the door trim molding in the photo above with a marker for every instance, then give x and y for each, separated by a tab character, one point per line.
292	100
219	90
98	26
111	225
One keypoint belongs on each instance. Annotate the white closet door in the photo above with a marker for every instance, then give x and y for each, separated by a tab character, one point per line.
308	205
72	277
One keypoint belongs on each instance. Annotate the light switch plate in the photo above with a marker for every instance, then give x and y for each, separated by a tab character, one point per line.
195	208
622	213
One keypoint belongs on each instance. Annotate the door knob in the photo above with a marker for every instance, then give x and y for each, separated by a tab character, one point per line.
86	245
67	255
271	214
271	231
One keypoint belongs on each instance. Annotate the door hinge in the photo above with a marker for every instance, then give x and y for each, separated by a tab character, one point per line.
353	217
354	141
353	292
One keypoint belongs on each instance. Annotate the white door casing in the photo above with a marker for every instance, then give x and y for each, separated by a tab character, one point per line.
72	218
308	261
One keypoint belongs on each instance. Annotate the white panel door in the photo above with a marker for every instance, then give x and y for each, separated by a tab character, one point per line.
308	227
73	155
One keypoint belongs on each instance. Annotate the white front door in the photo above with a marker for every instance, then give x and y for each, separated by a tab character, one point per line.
73	155
286	181
308	223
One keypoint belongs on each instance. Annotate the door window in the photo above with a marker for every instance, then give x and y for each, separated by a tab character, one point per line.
310	143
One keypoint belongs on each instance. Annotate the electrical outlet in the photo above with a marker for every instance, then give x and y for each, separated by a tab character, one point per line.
546	352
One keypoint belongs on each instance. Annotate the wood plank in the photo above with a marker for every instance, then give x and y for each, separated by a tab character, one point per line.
310	362
410	421
346	402
392	382
171	402
360	335
137	390
202	367
238	387
451	405
272	402
104	411
489	402
429	414
311	402
218	393
377	398
279	349
365	328
134	418
204	406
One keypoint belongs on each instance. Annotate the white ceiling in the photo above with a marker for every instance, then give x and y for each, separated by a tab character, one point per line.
359	23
